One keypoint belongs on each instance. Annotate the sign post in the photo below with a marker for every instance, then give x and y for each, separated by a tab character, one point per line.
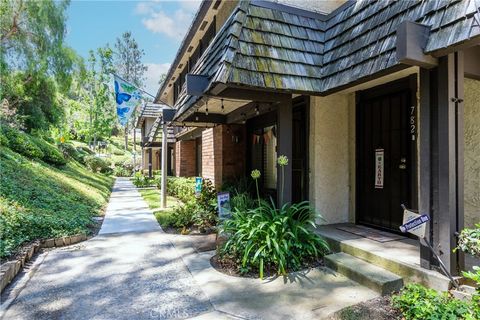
415	223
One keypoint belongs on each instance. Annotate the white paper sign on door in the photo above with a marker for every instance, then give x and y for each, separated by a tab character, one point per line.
379	156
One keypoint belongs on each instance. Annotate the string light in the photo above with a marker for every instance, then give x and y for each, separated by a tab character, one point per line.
206	108
223	107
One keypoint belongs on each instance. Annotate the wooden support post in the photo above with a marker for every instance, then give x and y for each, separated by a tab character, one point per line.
163	184
424	133
447	160
150	156
284	147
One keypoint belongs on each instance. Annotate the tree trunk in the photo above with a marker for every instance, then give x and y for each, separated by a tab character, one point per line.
134	139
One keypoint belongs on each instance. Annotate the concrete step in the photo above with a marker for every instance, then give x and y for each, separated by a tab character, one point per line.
384	255
367	274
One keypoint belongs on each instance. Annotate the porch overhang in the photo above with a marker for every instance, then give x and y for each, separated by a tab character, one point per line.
264	50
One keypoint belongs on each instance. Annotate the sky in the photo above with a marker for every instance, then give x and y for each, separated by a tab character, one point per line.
158	26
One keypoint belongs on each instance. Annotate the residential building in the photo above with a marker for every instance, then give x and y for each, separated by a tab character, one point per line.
375	103
149	122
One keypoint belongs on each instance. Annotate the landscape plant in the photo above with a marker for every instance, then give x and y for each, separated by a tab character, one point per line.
270	238
197	211
282	162
469	241
279	239
417	302
255	176
96	164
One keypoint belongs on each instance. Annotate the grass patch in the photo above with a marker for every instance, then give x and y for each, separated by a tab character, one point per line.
163	216
38	200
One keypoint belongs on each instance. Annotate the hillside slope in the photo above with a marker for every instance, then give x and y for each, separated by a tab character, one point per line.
39	200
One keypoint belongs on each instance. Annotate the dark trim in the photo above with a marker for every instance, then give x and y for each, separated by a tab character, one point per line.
303	102
203	118
447	160
460	147
424	133
284	147
196	84
250	93
387	88
168	114
412	39
150	163
248	111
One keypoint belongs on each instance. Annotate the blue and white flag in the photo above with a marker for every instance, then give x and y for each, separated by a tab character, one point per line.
127	97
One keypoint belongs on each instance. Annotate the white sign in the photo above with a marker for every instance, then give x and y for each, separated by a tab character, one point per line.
379	156
224	208
414	223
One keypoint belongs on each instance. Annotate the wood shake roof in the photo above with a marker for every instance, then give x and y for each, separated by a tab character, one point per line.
272	47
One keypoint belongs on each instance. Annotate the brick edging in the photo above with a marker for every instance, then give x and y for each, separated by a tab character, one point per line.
10	269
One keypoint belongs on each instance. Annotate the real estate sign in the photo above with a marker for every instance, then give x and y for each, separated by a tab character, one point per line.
224	208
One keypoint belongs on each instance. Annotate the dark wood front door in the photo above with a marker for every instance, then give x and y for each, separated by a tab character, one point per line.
300	149
385	155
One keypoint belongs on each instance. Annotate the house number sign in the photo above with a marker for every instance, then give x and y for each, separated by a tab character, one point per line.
379	157
413	127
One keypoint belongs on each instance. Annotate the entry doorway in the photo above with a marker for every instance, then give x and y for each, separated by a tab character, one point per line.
386	154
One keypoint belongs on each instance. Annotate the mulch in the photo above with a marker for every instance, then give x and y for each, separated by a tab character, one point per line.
232	267
375	309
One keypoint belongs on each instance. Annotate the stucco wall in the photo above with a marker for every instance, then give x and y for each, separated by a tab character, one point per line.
331	157
472	152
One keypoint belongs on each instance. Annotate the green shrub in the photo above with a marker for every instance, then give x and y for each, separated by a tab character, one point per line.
51	154
242	202
121	172
68	150
87	150
181	188
469	241
3	139
21	142
277	239
96	164
198	211
118	152
418	303
141	181
182	216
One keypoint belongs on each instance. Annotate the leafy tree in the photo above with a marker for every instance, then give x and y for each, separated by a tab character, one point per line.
34	62
94	112
129	66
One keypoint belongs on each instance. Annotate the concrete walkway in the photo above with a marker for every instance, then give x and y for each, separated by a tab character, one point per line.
129	271
132	270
